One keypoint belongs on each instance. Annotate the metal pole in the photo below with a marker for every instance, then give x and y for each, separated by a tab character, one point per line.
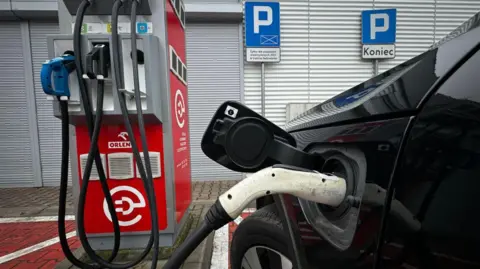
375	67
263	89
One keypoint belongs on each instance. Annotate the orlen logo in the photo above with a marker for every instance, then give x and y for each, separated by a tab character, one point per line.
125	144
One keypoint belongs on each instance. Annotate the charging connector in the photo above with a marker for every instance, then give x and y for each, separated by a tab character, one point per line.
278	179
100	55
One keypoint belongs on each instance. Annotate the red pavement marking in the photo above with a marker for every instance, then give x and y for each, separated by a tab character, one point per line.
16	236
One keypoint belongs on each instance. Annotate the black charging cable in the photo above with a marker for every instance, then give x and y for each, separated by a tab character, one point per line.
65	152
148	183
143	137
146	179
100	54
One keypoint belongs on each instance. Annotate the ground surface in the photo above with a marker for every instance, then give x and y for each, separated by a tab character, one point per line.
28	230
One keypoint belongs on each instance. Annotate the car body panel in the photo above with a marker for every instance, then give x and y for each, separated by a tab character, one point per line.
397	92
440	179
379	141
439	170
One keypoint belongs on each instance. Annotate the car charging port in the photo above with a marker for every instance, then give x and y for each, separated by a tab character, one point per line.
340	166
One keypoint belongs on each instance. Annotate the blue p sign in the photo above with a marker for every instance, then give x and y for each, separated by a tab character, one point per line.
262	24
379	26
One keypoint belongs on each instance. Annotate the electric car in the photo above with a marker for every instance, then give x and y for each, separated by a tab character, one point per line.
407	142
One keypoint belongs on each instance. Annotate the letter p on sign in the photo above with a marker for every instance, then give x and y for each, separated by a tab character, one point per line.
379	26
374	28
257	21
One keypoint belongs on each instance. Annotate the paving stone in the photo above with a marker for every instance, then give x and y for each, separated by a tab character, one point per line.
29	202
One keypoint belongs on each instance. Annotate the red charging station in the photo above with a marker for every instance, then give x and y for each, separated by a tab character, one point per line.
167	136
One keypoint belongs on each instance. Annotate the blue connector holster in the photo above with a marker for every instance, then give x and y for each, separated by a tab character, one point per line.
59	69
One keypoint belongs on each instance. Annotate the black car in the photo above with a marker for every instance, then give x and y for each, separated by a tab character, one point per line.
408	144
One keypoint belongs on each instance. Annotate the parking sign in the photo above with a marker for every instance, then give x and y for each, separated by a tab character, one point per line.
379	33
379	26
262	31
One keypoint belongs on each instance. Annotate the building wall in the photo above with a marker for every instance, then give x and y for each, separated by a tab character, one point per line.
320	58
321	47
30	137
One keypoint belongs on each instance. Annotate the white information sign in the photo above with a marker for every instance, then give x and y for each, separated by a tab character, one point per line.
386	51
265	55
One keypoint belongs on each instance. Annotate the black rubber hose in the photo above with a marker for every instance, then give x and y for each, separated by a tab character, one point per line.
116	44
77	47
62	200
188	246
136	86
148	185
65	150
88	250
215	218
141	127
86	179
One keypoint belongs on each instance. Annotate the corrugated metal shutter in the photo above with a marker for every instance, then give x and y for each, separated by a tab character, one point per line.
287	81
16	166
335	49
452	13
213	77
415	28
321	47
49	127
320	56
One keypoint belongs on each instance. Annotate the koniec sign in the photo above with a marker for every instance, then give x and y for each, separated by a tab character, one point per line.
379	33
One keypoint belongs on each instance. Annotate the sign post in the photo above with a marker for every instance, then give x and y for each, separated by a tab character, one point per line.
379	34
262	36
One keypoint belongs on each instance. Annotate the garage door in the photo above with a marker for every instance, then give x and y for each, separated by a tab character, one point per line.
213	55
16	166
49	127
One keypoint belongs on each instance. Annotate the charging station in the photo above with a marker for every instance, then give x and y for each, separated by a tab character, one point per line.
162	75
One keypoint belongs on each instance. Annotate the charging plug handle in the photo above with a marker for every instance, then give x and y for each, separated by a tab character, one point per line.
101	56
59	69
280	179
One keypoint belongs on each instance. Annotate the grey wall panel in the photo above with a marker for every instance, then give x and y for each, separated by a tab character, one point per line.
16	166
49	127
415	29
213	77
450	14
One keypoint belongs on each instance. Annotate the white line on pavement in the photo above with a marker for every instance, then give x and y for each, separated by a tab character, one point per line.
221	244
33	248
34	219
220	249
